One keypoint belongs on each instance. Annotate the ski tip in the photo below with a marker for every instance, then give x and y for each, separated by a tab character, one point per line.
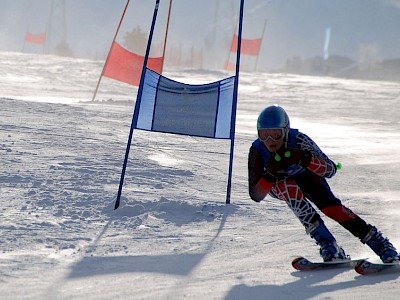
360	263
298	259
298	262
366	267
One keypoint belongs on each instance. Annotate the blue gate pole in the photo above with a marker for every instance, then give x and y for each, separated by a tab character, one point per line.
234	103
137	105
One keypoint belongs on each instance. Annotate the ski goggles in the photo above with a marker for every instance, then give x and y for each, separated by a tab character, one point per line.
274	134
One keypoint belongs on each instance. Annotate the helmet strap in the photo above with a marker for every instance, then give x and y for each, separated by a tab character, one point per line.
286	137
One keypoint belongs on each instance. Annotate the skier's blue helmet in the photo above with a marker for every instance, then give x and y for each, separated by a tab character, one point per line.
273	116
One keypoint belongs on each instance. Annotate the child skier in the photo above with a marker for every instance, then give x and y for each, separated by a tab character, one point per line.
290	166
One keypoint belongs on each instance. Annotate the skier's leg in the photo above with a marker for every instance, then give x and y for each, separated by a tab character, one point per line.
329	248
289	191
318	191
381	246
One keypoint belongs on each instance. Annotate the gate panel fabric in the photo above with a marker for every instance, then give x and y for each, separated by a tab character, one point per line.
173	107
127	66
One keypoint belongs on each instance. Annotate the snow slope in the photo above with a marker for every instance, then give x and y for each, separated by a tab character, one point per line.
173	236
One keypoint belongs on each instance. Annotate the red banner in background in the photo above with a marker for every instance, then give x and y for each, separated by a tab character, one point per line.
230	66
249	47
33	38
126	66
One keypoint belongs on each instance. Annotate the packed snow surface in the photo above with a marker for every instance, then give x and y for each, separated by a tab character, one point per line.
173	236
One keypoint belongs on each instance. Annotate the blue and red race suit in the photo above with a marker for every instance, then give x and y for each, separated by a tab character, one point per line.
298	185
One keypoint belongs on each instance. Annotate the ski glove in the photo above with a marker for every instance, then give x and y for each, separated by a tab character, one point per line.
289	157
284	158
275	169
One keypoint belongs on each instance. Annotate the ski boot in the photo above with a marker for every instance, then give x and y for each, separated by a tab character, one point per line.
330	251
381	246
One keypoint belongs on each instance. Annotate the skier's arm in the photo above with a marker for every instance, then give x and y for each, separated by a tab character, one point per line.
320	164
259	187
322	167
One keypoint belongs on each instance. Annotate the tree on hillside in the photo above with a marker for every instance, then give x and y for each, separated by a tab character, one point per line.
136	41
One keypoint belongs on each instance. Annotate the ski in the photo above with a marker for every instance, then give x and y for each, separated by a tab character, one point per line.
365	267
303	264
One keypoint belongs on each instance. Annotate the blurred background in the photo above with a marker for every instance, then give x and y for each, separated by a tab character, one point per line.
343	38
